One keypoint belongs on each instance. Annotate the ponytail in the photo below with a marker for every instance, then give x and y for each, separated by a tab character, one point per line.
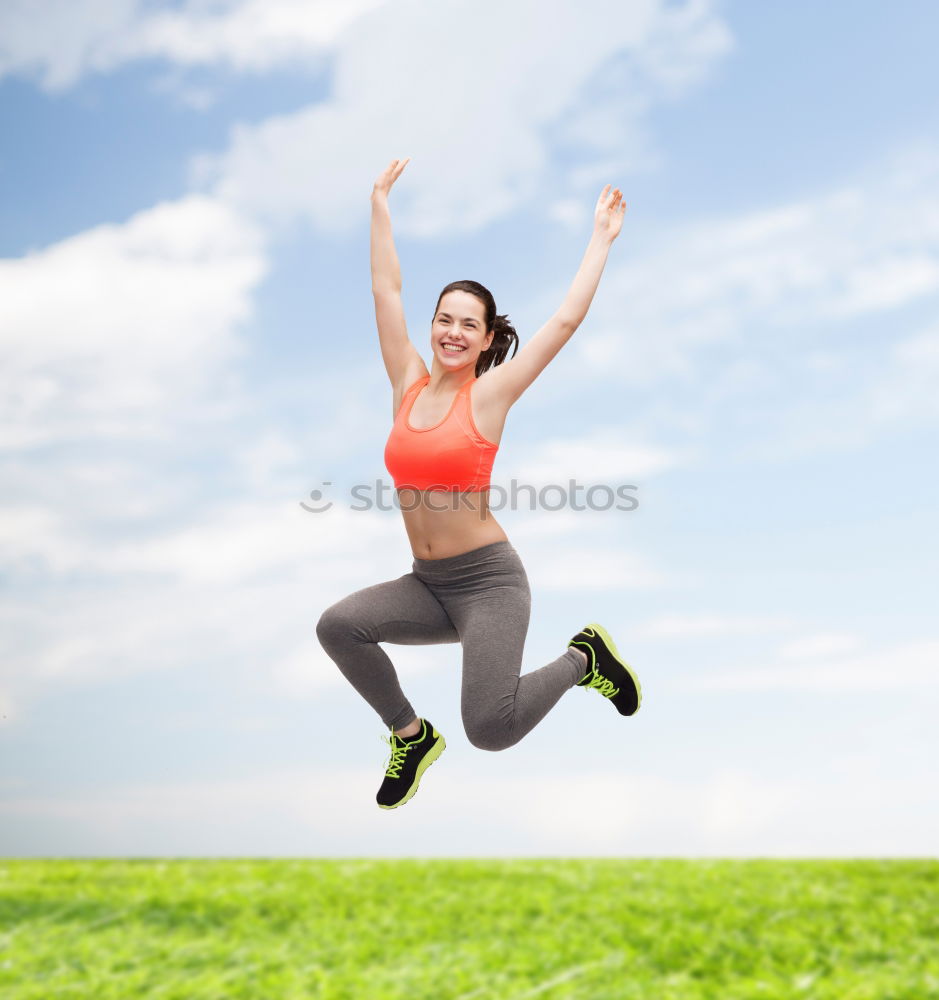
504	336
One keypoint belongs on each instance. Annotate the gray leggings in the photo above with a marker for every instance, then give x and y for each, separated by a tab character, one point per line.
480	599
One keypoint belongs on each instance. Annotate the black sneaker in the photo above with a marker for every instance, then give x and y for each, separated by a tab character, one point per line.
607	671
410	758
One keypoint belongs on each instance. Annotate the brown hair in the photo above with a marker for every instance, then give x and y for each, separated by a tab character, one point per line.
504	331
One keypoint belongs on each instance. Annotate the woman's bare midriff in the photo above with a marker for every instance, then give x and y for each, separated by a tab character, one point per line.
441	523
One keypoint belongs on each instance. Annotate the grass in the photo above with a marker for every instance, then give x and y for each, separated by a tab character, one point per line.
455	930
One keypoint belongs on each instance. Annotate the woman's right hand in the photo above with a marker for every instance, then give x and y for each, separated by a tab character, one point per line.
389	176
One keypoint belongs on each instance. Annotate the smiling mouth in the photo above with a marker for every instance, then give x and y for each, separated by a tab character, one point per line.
454	348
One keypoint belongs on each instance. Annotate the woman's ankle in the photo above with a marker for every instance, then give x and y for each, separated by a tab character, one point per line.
411	729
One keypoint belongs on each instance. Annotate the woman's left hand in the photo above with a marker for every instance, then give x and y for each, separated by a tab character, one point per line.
608	217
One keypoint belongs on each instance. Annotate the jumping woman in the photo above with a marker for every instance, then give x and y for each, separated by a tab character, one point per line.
467	583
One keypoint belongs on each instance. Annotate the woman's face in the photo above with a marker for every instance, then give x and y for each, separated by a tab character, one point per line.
460	320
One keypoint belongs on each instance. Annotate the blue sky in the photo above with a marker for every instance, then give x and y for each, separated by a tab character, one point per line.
189	349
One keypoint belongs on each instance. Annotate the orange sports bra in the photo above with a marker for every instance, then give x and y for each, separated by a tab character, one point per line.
451	455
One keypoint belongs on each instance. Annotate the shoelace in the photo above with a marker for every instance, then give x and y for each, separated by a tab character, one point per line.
398	753
603	685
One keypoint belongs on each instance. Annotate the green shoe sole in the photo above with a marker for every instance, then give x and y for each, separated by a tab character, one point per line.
432	755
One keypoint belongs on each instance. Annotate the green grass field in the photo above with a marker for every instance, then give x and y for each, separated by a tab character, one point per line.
442	930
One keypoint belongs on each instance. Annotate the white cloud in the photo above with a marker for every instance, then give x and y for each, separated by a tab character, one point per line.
817	646
604	456
695	626
250	575
908	388
867	395
590	565
573	213
106	332
819	664
251	35
63	40
785	271
894	279
317	162
269	536
270	453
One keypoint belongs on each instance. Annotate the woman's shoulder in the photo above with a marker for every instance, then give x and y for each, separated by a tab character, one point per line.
417	385
414	384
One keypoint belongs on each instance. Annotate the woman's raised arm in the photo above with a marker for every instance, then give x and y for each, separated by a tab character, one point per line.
510	379
402	362
386	272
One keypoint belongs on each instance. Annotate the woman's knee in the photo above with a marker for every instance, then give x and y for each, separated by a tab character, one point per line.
488	732
335	625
